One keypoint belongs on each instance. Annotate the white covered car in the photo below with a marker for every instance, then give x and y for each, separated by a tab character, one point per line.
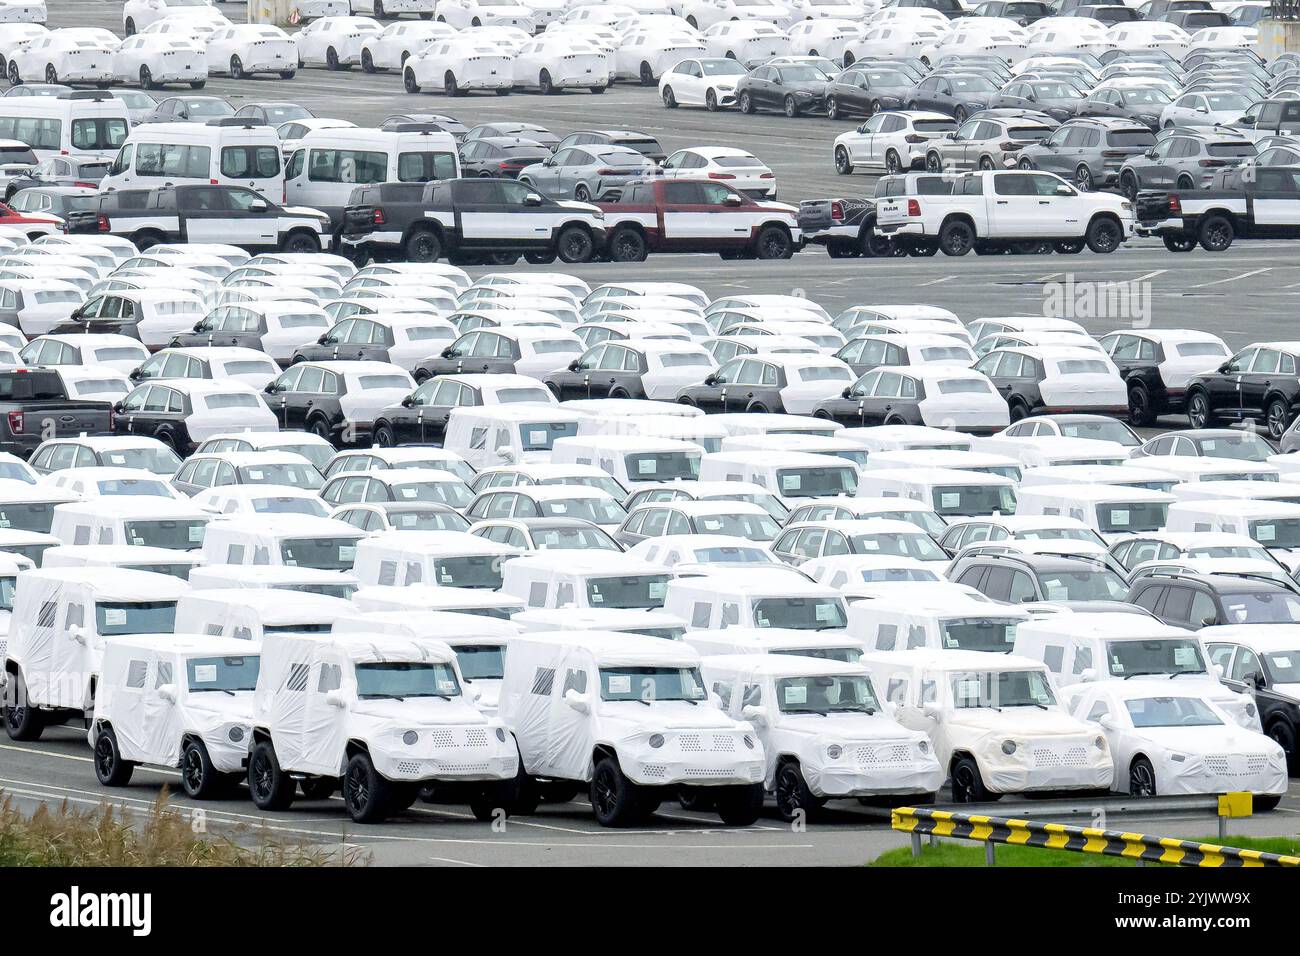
703	14
64	56
462	14
139	14
561	62
175	700
456	67
334	42
646	55
152	60
750	42
1166	739
390	49
383	716
825	735
242	49
22	11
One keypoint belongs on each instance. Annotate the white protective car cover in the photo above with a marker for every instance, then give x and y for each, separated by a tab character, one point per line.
557	740
246	614
151	729
56	666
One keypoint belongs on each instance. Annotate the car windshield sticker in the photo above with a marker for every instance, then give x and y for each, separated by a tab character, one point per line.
796	693
620	684
205	673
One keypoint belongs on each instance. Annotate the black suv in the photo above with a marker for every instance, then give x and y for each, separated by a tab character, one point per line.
1195	601
1022	578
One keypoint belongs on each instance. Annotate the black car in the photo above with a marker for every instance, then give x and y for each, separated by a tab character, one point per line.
190	109
1107	14
273	114
538	134
794	90
1023	12
1257	383
1148	360
1193	20
643	143
1194	601
745	384
421	417
500	156
1057	98
480	350
448	124
352	339
163	410
863	91
310	395
882	396
608	370
1143	104
957	94
1021	578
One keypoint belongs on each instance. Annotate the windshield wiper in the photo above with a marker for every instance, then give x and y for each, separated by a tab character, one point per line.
809	710
1028	703
1142	674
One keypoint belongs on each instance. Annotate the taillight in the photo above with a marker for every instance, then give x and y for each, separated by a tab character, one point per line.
15	423
1175	205
607	172
378	217
722	176
767	175
1114	153
913	208
87	185
1212	162
214	182
837	210
913	138
101	223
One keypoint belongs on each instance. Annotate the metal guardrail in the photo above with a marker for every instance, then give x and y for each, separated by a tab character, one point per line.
990	831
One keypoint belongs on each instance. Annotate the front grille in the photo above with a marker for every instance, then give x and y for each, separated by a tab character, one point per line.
874	756
1231	765
699	743
461	768
410	767
1074	757
656	771
706	772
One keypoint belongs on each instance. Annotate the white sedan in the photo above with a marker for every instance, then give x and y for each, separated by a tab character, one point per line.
485	13
561	62
456	67
65	56
545	12
335	41
242	49
153	60
1205	109
750	41
645	56
703	14
389	50
1167	741
710	83
138	14
740	170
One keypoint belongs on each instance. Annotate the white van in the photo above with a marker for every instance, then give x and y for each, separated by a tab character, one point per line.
907	616
228	151
328	164
777	598
453	559
57	633
1079	648
1110	510
140	557
591	579
1153	478
1273	524
300	541
630	716
493	435
82	123
131	520
631	459
949	492
249	615
793	476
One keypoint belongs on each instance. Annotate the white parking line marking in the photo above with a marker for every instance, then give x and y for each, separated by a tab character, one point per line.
939	280
1244	275
447	859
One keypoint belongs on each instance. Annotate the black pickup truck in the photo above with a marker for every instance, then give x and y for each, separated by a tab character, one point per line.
34	407
1253	202
846	227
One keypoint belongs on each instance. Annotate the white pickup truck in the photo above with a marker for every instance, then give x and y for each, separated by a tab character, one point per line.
1006	208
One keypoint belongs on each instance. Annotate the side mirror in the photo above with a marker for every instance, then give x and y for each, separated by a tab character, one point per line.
448	352
732	200
118	407
1207	621
1256	680
847	393
1064	190
932	710
533	199
259	205
198	326
575	366
754	714
1088	674
710	380
335	698
1107	722
136	375
577	701
272	389
408	402
168	693
324	339
950	136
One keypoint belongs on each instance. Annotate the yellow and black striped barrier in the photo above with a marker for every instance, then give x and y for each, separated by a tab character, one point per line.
1059	836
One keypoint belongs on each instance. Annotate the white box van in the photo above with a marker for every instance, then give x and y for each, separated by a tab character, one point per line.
328	164
780	598
631	459
949	492
585	579
824	732
1078	648
221	152
249	615
453	559
382	716
60	622
140	557
908	616
82	123
493	435
175	700
630	716
131	520
300	541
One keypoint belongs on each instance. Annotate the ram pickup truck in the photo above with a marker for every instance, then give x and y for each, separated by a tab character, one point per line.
846	227
481	219
1256	202
1269	118
697	215
34	406
994	209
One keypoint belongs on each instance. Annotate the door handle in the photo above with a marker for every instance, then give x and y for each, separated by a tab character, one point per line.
1001	202
1043	202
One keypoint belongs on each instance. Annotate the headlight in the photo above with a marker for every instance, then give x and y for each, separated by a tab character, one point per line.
236	734
749	741
834	751
598	214
1008	747
923	746
804	93
1250	710
410	737
501	734
656	741
1100	743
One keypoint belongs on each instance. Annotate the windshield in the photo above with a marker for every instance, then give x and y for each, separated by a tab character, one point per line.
181	571
1261	607
223	673
460	469
539	436
974	500
1132	516
814	482
573	539
1170	712
143	617
919	546
878	575
595	510
1002	689
160	461
722	68
344	591
469	571
630	591
426	521
927	521
825	694
481	661
1083	586
325	554
296	476
133	486
176	533
7	586
398	680
1100	430
651	683
38	516
729	554
804	614
663	466
979	634
1144	658
754	527
454	493
318	455
1244	447
1277	532
285	504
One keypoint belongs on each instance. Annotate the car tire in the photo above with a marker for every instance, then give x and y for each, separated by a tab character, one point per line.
627	245
367	62
832	108
198	84
288	74
581	193
1265	802
423	245
740	806
773	242
933	163
1141	778
269	786
959	114
408	81
199	779
450	86
986	163
874	246
540	258
790	107
492	798
591	89
1083	178
893	165
967	783
1129	186
614	798
319	427
793	795
544	84
22	722
1104	235
1216	233
146	79
1185	183
332	59
1199	413
51	74
711	101
1282	733
237	68
110	769
1017	410
1179	242
923	249
1278	417
843	165
574	245
670	101
1025	163
746	103
300	241
129	29
15	79
1140	412
647	75
367	795
383	437
956	237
